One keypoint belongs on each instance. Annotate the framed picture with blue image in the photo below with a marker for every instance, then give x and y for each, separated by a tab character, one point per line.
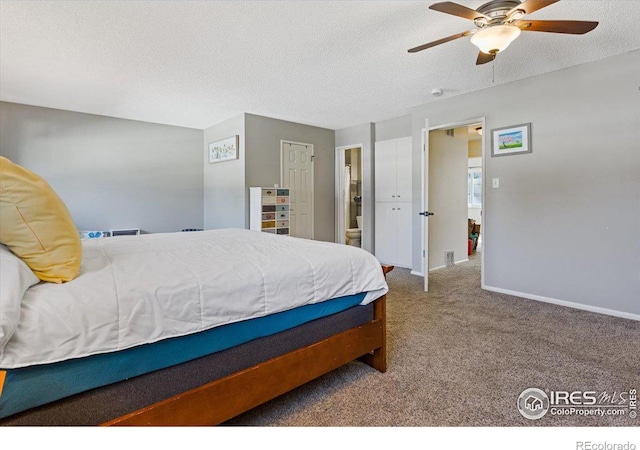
513	140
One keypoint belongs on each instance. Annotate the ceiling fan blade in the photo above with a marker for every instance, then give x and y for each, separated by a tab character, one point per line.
457	10
440	41
484	58
530	6
557	26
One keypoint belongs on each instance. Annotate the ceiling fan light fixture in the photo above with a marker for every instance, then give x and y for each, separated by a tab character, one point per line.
495	39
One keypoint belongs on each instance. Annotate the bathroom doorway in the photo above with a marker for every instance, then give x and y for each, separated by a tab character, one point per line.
349	193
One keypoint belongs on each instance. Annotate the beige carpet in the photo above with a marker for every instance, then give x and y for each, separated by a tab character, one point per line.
461	356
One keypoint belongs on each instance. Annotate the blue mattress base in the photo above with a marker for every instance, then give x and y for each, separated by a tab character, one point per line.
33	386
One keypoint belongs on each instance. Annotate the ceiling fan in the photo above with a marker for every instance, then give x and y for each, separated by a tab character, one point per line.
499	22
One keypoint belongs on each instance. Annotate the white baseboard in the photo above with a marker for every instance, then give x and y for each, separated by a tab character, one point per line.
416	273
595	309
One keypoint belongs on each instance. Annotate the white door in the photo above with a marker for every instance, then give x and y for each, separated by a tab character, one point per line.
425	204
403	234
403	169
385	171
386	232
297	176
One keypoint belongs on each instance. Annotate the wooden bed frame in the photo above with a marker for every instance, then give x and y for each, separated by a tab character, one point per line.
225	398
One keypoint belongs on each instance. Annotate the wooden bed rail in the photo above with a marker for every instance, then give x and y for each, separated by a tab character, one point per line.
378	358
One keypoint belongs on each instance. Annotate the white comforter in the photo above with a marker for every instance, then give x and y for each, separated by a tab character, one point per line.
134	290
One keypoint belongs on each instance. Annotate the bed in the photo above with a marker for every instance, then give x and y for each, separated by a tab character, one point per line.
186	328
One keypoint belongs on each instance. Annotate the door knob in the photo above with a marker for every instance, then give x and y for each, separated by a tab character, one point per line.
426	213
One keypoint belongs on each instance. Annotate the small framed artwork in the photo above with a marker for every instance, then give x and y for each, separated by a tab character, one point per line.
512	140
224	150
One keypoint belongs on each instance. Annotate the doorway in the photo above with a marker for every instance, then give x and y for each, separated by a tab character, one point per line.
297	175
349	207
474	188
452	174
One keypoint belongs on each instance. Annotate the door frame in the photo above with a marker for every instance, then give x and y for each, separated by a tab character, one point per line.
425	192
340	229
313	189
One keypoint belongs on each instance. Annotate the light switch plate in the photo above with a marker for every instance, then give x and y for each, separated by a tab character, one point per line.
496	183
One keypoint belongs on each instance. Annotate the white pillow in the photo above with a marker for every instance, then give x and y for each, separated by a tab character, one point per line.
15	278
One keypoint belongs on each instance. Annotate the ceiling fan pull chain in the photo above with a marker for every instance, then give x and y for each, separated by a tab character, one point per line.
493	70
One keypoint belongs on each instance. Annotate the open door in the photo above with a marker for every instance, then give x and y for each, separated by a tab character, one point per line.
425	213
429	159
349	201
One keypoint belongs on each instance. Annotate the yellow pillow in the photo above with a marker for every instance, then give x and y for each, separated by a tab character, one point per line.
36	224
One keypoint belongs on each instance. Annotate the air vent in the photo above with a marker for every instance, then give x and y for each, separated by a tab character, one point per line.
449	258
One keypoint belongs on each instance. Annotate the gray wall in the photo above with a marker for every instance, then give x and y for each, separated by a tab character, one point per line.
363	135
224	182
564	223
111	173
263	135
393	128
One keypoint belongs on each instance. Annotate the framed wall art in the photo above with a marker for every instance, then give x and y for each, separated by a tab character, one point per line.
224	150
511	140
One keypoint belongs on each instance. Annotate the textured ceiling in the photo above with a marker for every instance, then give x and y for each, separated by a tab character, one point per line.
331	64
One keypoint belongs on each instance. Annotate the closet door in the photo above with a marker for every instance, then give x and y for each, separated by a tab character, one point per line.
393	232
403	169
385	236
403	234
385	171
